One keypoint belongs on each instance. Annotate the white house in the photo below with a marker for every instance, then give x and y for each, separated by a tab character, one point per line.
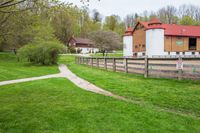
83	45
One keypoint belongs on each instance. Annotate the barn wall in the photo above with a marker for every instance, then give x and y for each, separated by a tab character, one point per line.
139	41
173	44
198	44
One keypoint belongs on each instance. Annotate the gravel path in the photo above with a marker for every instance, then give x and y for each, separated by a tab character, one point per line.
81	83
29	79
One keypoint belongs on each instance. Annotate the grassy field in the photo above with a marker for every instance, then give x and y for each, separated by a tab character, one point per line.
10	68
117	54
56	105
179	96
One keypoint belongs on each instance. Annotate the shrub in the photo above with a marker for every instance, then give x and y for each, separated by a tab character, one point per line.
45	53
79	50
72	50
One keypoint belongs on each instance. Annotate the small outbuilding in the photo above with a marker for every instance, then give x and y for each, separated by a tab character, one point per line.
83	45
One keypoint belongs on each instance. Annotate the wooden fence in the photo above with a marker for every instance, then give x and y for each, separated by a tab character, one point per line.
181	68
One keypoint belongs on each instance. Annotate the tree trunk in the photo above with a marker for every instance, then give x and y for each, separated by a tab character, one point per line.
14	50
103	52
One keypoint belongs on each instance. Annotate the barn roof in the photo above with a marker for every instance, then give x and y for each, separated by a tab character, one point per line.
171	29
181	30
128	32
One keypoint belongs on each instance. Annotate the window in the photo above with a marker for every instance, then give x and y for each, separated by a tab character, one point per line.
136	46
183	53
192	43
179	38
193	53
143	45
143	54
168	53
177	53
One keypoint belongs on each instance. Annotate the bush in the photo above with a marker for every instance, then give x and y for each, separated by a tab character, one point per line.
71	50
79	50
45	53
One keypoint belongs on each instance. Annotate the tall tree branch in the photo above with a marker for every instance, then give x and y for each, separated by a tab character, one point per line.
11	4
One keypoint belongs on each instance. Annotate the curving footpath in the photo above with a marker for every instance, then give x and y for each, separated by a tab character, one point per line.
29	79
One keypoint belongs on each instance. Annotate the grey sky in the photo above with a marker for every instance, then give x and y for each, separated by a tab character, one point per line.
124	7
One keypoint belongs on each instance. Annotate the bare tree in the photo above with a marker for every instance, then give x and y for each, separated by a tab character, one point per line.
129	20
189	10
106	40
168	14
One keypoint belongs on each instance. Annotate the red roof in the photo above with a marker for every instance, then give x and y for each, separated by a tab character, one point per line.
154	21
181	30
129	32
170	29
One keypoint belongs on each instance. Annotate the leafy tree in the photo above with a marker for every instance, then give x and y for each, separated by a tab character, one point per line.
62	22
111	22
96	16
114	23
106	40
187	20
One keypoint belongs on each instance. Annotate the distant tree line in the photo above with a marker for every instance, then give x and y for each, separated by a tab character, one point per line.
184	15
27	21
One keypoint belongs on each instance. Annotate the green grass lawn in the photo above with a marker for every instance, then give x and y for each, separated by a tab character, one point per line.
183	96
117	54
57	106
10	68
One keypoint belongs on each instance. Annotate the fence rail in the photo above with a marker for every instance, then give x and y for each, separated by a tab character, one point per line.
181	68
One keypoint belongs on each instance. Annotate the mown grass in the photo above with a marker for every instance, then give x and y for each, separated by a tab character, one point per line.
183	96
57	106
10	68
117	54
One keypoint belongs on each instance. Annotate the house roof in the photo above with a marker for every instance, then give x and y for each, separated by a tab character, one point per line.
171	29
82	40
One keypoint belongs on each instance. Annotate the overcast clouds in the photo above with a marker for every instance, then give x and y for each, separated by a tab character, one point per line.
124	7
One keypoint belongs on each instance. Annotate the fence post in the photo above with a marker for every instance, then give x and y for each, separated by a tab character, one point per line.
97	62
82	61
126	65
78	60
146	64
180	69
114	64
92	62
105	63
88	60
75	59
